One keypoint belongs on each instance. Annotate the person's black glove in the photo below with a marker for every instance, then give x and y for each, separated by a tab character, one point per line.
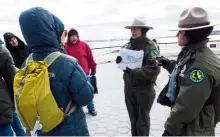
165	133
118	59
128	70
162	61
93	72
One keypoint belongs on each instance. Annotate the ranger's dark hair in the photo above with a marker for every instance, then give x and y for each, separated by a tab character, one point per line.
144	31
198	35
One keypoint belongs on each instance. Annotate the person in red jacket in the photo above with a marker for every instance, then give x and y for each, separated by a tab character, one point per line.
82	52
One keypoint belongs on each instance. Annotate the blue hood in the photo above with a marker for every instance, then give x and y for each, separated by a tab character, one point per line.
41	29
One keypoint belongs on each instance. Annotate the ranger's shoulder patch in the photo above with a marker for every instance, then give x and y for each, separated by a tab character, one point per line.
154	53
197	76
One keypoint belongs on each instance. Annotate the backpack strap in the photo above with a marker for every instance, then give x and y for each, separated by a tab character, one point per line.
51	58
68	111
28	59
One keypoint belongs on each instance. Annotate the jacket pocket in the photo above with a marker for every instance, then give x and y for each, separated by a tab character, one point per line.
205	121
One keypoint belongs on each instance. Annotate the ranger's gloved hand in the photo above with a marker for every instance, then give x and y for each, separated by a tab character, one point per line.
93	72
128	70
118	59
165	133
162	61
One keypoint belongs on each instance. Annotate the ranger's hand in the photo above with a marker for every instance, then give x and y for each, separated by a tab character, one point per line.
128	70
162	61
118	59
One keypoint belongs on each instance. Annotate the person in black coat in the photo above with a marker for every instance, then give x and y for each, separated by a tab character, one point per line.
8	116
17	48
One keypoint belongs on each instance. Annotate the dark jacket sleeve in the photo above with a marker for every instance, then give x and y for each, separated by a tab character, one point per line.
9	70
170	66
150	71
90	58
78	85
190	100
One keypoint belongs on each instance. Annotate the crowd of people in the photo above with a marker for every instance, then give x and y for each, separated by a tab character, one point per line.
192	92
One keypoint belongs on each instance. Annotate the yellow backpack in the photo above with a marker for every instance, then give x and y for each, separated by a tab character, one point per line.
33	97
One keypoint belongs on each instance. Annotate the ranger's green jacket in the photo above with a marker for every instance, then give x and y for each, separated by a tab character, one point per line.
147	75
198	81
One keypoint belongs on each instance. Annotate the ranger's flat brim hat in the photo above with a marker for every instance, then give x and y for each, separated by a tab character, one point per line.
192	19
139	22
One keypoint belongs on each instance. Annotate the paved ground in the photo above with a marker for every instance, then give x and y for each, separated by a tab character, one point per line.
112	119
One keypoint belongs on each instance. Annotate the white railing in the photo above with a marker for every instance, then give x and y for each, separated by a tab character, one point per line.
108	54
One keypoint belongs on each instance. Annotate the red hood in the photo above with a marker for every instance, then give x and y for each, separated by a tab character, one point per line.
67	42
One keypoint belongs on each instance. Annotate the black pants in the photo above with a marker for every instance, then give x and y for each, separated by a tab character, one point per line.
139	104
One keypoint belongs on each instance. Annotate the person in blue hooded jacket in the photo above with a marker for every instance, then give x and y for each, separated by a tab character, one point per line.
42	32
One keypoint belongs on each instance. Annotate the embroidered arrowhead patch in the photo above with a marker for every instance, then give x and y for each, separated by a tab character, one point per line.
197	76
154	53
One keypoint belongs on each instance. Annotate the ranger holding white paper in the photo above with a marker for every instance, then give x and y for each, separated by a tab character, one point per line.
139	82
131	59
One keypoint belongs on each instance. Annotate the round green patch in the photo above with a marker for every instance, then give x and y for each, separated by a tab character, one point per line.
154	53
197	76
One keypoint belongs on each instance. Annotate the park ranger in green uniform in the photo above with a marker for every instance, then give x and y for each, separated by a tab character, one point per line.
139	83
194	85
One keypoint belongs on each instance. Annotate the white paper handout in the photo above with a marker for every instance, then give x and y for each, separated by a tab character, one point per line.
131	58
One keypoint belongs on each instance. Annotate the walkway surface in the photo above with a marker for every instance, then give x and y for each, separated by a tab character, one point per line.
112	118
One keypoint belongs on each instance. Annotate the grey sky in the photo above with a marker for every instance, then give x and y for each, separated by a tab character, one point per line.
104	19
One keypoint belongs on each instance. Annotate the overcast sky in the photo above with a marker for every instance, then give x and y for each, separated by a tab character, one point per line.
104	19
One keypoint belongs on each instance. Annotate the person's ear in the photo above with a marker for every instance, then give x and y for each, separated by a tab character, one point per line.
63	36
65	33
